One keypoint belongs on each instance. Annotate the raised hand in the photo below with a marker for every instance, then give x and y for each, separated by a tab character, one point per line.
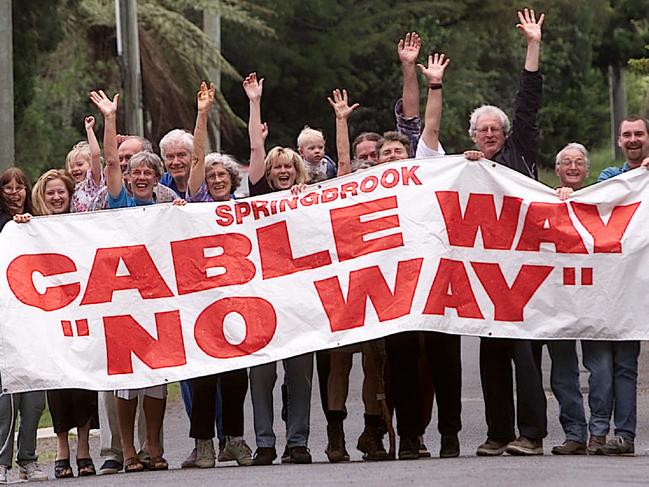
205	97
434	72
252	87
340	104
408	48
107	106
89	122
530	26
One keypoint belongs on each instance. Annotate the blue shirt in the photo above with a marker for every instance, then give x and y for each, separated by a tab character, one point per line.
125	200
169	182
611	172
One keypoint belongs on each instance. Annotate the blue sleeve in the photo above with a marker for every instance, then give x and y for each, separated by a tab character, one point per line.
608	173
122	200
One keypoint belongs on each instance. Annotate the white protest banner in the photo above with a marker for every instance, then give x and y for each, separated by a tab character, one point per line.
135	297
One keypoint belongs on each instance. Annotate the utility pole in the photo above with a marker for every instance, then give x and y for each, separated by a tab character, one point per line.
7	148
618	101
212	28
128	51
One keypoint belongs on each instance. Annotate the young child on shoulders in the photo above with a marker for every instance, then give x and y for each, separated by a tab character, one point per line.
311	146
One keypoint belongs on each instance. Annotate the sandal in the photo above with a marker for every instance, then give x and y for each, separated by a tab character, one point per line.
157	463
85	467
62	469
133	464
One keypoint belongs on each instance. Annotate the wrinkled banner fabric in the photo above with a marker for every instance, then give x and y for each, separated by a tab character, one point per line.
134	297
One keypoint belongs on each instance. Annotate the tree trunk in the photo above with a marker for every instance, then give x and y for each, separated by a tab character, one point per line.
617	93
6	87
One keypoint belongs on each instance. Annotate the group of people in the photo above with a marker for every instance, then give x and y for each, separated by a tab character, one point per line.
403	373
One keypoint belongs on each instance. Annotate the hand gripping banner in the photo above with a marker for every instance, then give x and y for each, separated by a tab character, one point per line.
135	297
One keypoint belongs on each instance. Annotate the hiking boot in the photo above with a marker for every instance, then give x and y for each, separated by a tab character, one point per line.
595	445
110	467
619	446
264	456
31	472
336	451
296	454
569	447
408	447
371	444
525	446
450	447
491	448
3	474
238	450
205	455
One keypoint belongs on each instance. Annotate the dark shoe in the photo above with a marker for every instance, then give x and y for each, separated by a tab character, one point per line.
618	446
595	445
297	454
423	451
336	451
62	469
371	444
156	463
264	456
525	446
110	467
85	467
491	448
569	447
408	447
450	447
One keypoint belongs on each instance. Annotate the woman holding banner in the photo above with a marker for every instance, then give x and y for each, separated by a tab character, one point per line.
70	408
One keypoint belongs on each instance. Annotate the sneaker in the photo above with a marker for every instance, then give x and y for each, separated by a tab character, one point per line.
110	467
205	456
31	472
408	447
595	445
491	448
238	450
450	447
619	446
264	456
296	454
525	446
190	461
371	444
570	447
3	474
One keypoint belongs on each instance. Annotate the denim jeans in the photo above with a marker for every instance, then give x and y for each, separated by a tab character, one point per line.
613	382
298	375
564	380
30	405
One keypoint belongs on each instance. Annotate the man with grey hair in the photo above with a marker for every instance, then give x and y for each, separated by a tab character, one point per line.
176	148
518	150
571	166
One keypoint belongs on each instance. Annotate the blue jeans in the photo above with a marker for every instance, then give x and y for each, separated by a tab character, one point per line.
298	375
564	380
613	382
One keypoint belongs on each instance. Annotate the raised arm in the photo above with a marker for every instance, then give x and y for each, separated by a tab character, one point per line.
95	151
434	74
408	51
254	89
342	110
108	108
531	28
204	101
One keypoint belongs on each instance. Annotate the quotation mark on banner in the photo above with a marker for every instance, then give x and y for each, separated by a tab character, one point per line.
81	326
570	276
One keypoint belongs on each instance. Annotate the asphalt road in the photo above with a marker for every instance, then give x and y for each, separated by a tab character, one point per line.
467	470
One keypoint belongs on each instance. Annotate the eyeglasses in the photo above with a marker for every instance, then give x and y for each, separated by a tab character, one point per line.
485	130
13	189
569	163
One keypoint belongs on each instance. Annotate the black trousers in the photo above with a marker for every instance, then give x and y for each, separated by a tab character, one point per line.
496	357
443	352
234	386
